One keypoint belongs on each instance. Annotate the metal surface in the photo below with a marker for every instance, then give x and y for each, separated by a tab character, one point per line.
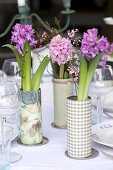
94	154
45	140
57	127
26	18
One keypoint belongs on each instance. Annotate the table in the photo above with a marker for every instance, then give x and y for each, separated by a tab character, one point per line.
52	155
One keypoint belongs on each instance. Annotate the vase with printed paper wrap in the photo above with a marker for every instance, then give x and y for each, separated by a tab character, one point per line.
30	117
29	94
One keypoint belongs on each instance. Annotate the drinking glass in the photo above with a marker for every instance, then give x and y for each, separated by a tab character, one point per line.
101	85
11	69
9	109
8	115
5	142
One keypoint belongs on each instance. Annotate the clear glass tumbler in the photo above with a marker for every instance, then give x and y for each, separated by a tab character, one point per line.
5	143
101	85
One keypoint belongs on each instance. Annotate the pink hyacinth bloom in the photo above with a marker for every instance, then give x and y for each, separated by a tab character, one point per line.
91	45
60	49
21	34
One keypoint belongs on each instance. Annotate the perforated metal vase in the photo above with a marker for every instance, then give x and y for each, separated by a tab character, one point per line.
78	127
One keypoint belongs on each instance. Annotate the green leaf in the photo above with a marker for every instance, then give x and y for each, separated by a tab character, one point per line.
55	68
18	57
39	73
83	77
91	69
27	68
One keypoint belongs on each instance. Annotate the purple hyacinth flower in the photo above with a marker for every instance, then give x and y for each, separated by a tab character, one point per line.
21	34
91	46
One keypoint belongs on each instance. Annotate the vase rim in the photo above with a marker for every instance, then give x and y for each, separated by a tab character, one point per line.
30	91
40	49
74	98
62	80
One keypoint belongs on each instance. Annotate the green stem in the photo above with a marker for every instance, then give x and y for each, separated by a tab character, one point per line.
61	74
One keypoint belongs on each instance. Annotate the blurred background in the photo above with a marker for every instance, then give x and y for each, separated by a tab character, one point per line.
88	14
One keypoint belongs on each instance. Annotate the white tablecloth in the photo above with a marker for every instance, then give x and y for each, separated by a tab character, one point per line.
52	155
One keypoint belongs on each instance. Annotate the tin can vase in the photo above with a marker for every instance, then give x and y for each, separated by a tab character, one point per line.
30	117
78	127
62	88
